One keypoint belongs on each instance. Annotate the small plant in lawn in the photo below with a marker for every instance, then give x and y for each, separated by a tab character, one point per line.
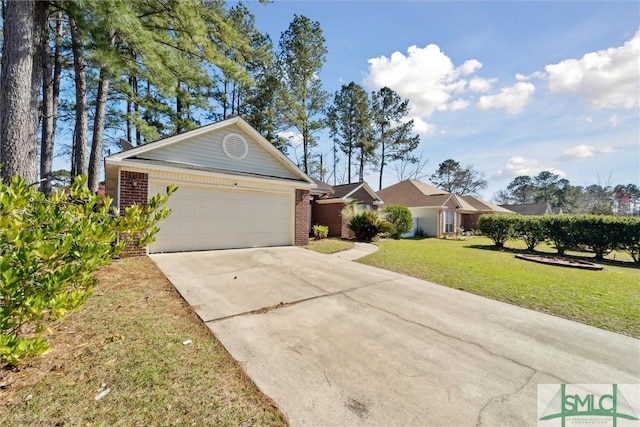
400	218
49	248
369	224
320	231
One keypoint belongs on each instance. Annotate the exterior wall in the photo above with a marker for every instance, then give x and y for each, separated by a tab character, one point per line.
470	221
427	219
134	187
206	150
302	217
329	215
364	198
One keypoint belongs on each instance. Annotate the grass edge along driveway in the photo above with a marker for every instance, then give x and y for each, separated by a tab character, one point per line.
131	338
607	299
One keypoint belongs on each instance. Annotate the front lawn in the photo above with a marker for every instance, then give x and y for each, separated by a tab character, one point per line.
329	246
137	339
608	299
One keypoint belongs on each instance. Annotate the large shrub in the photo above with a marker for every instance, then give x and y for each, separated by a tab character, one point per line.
629	238
498	228
367	225
400	218
530	229
601	233
561	230
49	248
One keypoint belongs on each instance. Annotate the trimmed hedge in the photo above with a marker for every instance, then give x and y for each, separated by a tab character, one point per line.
600	233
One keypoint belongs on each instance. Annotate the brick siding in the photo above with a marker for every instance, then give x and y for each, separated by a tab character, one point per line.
129	195
302	217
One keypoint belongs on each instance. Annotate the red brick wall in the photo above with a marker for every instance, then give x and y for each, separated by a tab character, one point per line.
134	187
329	215
302	217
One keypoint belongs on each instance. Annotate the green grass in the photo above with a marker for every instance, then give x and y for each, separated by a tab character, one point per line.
607	299
129	338
329	246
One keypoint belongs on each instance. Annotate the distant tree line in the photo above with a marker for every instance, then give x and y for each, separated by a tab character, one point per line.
79	77
547	187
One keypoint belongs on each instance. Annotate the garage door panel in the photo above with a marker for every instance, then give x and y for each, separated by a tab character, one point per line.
212	218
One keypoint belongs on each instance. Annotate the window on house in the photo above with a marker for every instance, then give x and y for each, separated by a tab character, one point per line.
362	208
449	222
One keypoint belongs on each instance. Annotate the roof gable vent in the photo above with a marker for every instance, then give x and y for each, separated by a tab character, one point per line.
235	146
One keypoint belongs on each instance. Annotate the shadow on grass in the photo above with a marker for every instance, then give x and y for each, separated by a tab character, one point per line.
609	262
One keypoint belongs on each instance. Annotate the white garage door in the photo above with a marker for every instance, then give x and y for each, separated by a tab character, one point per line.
211	218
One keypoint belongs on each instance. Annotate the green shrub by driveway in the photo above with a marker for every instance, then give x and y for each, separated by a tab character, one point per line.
607	299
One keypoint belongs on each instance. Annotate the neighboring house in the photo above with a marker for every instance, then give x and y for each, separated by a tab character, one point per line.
470	218
436	212
235	189
533	209
327	204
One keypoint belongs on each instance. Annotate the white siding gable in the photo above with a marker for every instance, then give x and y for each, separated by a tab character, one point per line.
205	150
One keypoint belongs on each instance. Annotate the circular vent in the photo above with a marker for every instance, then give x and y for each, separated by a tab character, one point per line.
234	146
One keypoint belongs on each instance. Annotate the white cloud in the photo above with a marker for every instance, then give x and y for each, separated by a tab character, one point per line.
518	165
583	151
606	78
422	127
513	99
458	104
614	121
478	84
426	76
470	66
294	138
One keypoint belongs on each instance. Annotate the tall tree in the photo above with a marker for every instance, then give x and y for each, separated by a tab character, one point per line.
301	54
455	179
17	137
79	153
547	186
349	119
393	132
52	72
522	189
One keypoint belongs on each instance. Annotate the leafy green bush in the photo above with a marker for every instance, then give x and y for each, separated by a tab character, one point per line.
561	230
530	229
320	231
49	248
367	225
400	218
601	233
498	228
629	239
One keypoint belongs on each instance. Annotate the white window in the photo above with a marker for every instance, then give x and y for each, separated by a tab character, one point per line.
449	222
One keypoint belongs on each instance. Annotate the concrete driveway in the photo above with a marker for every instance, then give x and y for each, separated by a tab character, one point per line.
337	343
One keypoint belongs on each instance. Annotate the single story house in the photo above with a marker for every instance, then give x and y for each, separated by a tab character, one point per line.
436	212
235	189
534	209
328	202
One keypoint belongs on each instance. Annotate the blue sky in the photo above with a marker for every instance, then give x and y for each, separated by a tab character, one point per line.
511	88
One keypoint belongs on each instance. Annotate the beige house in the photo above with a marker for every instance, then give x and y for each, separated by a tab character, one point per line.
235	189
436	212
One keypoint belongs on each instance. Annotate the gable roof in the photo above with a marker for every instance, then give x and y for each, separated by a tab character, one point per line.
343	193
415	194
530	208
144	154
484	206
321	187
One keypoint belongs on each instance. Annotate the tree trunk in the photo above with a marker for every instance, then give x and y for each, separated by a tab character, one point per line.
50	97
98	130
17	145
79	162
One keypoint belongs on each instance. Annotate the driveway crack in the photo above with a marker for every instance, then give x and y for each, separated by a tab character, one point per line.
504	396
472	343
